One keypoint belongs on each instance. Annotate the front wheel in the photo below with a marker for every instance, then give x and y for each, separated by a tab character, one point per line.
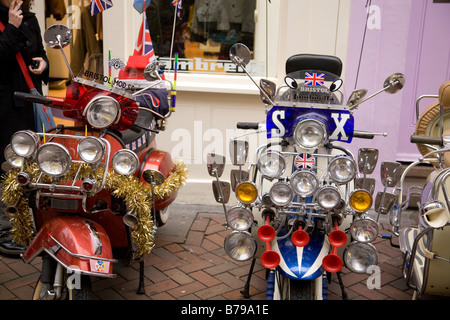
55	283
162	216
300	290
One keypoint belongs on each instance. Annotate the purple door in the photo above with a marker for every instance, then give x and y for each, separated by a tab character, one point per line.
407	36
427	66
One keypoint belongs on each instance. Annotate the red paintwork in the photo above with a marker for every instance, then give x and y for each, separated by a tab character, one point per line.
73	234
68	226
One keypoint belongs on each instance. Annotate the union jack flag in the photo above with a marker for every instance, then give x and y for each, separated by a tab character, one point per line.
314	79
178	4
304	161
98	6
144	45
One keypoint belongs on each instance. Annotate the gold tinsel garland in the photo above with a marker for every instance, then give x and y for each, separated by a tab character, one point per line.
136	194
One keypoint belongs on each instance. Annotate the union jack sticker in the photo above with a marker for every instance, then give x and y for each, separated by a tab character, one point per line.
314	79
304	161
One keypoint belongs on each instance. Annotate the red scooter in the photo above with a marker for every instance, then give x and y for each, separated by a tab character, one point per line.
83	197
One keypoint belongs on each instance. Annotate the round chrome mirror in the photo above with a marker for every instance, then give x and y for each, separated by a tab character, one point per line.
394	83
151	71
240	54
58	36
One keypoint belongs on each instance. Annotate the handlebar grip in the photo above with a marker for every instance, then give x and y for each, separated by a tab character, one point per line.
363	135
32	98
247	125
426	140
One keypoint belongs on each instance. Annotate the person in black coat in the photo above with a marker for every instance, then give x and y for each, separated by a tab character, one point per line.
22	34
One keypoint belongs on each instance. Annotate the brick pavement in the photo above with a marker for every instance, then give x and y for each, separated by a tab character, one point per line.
192	265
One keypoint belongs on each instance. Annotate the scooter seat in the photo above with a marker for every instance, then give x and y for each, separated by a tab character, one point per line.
326	63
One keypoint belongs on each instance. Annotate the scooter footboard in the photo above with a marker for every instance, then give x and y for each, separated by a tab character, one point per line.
77	243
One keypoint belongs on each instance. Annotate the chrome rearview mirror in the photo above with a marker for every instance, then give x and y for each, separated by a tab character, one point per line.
394	83
238	176
356	97
240	55
59	36
151	71
238	152
366	184
367	160
390	173
215	164
384	202
221	190
268	88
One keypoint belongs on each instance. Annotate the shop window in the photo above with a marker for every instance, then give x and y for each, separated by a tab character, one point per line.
204	32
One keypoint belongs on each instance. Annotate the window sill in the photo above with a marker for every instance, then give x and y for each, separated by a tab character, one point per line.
216	83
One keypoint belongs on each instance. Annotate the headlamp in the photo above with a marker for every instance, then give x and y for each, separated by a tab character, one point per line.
304	183
24	143
91	150
358	257
361	200
12	158
53	159
240	245
125	162
239	218
271	164
364	230
102	112
310	134
281	193
342	169
328	197
246	192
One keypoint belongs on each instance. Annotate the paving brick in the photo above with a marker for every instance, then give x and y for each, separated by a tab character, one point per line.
200	224
371	294
194	238
187	289
159	287
179	276
220	268
204	278
211	292
395	293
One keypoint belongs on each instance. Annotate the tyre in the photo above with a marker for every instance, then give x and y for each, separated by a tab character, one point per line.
300	289
74	287
162	216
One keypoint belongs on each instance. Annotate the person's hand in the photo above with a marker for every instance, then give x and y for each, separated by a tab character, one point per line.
40	68
15	13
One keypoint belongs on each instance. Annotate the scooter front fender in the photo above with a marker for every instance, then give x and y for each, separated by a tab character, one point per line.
77	243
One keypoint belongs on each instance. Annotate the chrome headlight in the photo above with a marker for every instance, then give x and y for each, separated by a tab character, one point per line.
12	158
125	162
239	218
271	164
342	169
102	112
281	194
304	183
364	230
91	150
310	133
24	143
240	245
358	257
53	159
328	197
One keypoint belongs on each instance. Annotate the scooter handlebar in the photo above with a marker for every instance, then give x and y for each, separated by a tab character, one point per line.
426	140
247	125
32	98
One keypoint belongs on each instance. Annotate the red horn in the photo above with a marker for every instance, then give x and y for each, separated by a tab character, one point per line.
300	237
337	238
269	259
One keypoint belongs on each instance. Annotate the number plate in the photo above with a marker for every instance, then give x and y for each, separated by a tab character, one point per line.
281	122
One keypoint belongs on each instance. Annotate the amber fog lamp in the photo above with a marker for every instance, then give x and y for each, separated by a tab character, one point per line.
361	200
246	192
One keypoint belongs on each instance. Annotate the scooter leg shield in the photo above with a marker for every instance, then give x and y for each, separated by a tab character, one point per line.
75	242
